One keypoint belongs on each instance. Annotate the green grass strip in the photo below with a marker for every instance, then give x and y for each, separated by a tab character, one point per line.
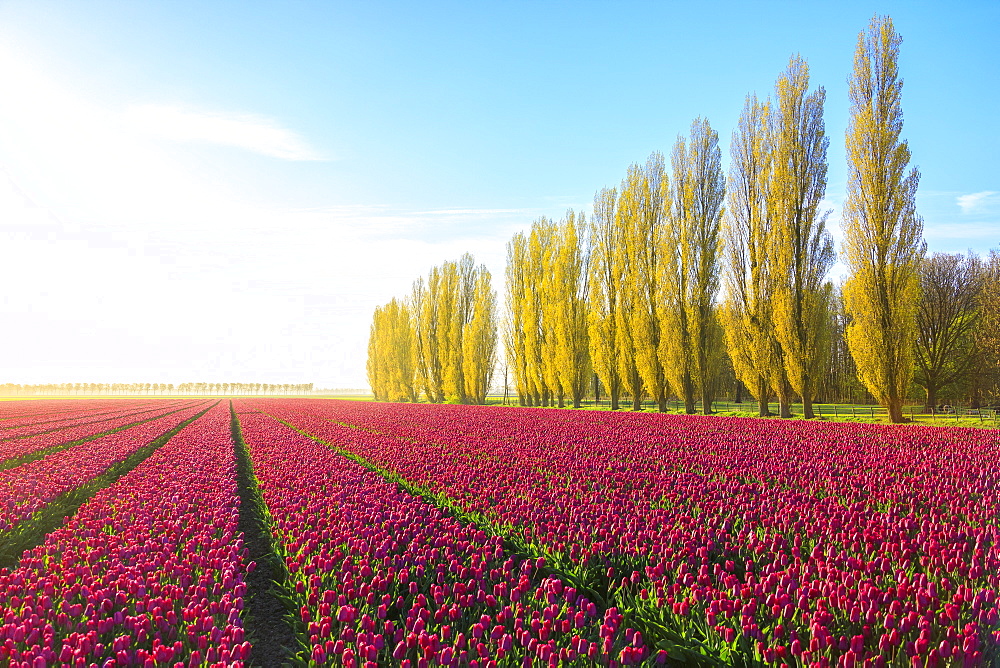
14	462
31	532
274	629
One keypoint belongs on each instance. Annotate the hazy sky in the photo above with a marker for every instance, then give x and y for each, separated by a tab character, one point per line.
224	191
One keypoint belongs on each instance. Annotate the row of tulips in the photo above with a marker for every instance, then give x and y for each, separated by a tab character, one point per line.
36	412
33	413
79	418
382	577
18	409
25	446
27	488
149	572
799	543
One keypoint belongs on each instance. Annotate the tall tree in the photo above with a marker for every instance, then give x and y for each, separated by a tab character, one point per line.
630	298
518	317
603	292
642	212
568	300
539	328
749	272
691	272
479	339
803	249
452	303
376	363
431	330
883	235
391	354
950	306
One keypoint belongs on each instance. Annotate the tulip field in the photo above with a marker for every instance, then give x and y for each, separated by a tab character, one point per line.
338	533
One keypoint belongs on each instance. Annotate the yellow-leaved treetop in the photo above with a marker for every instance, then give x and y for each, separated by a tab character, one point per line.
455	332
749	273
643	216
518	318
691	349
450	332
567	308
538	331
479	339
603	286
630	298
883	235
431	329
531	330
376	364
428	367
802	248
392	353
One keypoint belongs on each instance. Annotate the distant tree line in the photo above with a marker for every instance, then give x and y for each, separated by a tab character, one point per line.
150	389
688	283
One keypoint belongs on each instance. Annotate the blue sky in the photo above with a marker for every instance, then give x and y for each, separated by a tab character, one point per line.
224	191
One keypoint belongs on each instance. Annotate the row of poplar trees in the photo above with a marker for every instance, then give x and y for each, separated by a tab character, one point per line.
680	265
441	342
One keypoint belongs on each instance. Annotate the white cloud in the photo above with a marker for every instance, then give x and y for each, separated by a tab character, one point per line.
246	131
974	201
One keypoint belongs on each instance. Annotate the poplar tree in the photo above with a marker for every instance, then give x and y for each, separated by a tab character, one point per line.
479	338
642	210
749	274
376	364
803	249
432	329
391	353
567	299
538	328
883	235
515	341
603	292
423	325
630	298
450	308
691	350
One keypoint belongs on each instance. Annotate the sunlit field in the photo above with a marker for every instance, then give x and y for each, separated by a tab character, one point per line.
207	531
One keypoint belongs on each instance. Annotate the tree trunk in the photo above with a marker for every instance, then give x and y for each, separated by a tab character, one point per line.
688	394
785	403
562	400
706	402
636	391
807	408
895	406
615	401
807	398
763	394
930	404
